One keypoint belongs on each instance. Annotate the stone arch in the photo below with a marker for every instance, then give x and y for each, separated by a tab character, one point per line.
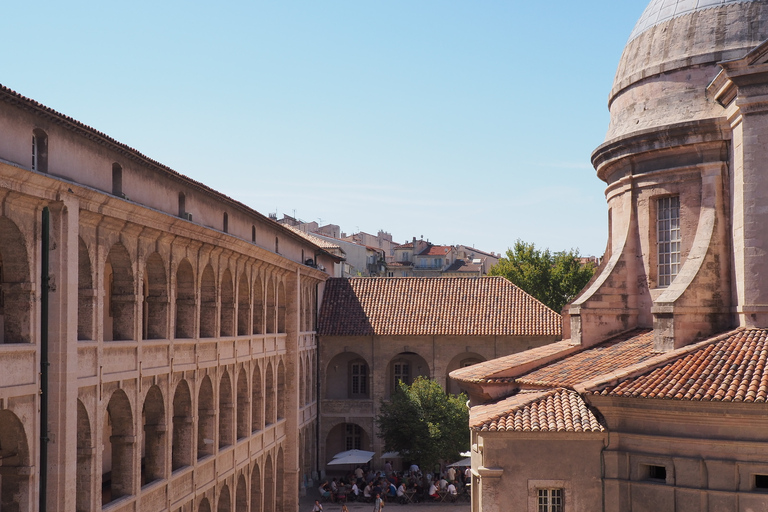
281	307
155	310
206	416
269	392
120	295
15	284
347	376
269	486
181	443
460	360
85	453
85	296
153	439
279	480
185	300
243	306
271	307
281	394
204	506
119	446
405	366
208	303
346	436
225	500
257	400
258	306
227	323
241	495
15	483
226	411
243	403
256	489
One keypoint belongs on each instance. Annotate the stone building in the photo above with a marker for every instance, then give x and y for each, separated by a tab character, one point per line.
374	332
658	399
157	335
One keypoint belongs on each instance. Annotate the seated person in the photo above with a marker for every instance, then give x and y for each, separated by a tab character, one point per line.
392	490
355	491
443	483
368	492
433	491
452	489
325	491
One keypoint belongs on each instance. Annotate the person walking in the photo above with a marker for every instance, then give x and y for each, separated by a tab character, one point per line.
378	504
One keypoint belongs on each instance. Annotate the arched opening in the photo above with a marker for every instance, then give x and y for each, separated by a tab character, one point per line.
243	306
85	452
185	300
461	360
269	486
269	391
281	305
271	307
225	500
119	444
206	417
405	367
256	489
120	295
281	396
208	303
241	495
227	305
226	411
205	506
39	150
279	480
258	307
16	296
346	436
347	376
243	403
85	295
313	366
181	446
257	400
302	377
153	440
155	317
14	454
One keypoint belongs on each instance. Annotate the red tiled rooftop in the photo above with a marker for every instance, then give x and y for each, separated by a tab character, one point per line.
730	368
421	306
556	410
435	250
624	350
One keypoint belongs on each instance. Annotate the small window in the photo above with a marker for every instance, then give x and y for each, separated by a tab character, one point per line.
182	205
761	482
358	380
39	150
253	234
117	180
354	437
550	500
277	245
668	239
401	373
226	222
653	472
390	274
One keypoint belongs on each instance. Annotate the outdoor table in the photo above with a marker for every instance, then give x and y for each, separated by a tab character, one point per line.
443	495
409	494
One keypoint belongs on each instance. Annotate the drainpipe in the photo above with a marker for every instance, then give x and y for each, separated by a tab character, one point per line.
44	363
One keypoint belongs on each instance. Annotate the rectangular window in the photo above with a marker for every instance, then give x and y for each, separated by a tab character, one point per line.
668	239
761	482
550	500
402	373
359	382
354	437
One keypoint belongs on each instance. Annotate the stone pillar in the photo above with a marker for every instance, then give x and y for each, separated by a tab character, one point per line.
62	339
292	391
122	465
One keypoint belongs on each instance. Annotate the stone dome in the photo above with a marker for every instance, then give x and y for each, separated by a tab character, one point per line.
672	55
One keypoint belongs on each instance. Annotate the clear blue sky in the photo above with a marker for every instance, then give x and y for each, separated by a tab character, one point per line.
465	122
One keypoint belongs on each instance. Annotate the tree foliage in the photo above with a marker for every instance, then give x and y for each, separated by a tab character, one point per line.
553	278
424	423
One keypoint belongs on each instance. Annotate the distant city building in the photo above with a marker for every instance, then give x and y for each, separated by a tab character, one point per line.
420	258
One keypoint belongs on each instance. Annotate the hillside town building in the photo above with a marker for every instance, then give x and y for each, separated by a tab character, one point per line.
157	338
657	401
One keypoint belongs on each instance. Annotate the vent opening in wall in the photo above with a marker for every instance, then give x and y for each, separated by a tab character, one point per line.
761	482
117	180
654	472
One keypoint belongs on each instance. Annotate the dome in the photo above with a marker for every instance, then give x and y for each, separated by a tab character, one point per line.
672	56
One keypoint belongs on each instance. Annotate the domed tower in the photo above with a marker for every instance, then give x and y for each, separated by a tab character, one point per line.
684	162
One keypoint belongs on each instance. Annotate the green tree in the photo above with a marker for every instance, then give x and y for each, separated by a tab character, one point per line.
424	424
553	278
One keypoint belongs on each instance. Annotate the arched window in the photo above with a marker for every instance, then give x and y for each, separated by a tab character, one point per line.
269	387
243	404
206	417
85	455
120	295
85	296
14	451
185	300
256	489
257	401
226	411
281	396
155	310
227	318
39	150
119	445
153	438
243	306
208	304
181	449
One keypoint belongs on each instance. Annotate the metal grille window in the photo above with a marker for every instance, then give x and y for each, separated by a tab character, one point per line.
668	236
359	384
354	437
550	500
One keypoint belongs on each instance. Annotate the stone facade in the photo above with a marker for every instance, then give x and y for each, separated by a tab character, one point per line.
177	324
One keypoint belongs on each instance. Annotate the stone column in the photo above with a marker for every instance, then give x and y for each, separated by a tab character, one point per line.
292	390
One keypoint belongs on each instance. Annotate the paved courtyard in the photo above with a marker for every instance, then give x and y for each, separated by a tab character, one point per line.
306	503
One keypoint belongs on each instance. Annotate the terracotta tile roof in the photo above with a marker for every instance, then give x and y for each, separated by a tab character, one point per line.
436	250
504	369
407	245
624	350
729	368
423	306
556	410
325	244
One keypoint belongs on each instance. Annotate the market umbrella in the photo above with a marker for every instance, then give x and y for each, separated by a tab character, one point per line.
463	462
391	455
354	452
354	458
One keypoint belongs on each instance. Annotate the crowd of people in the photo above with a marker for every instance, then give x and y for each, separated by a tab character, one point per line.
411	486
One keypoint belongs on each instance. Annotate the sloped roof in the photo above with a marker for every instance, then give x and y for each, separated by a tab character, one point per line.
556	410
325	244
423	306
436	250
729	369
